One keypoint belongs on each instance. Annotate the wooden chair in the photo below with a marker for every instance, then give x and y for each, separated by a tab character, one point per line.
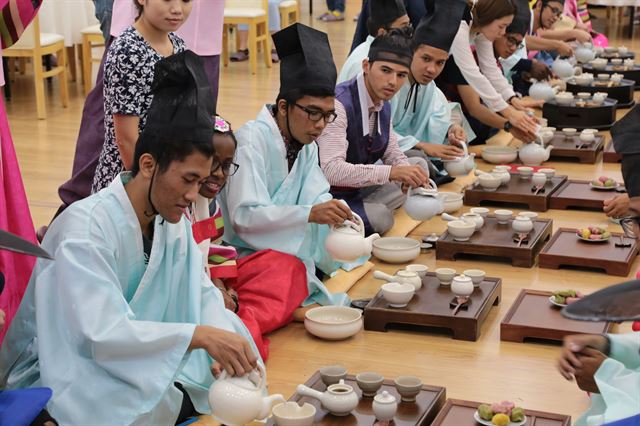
91	37
254	14
34	44
289	12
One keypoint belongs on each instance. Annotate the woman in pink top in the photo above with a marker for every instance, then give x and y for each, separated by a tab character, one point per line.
202	33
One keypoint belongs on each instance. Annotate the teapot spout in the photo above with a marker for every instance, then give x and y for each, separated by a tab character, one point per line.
268	403
369	241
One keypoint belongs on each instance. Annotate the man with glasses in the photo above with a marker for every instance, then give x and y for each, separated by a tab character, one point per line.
351	146
548	41
279	198
511	51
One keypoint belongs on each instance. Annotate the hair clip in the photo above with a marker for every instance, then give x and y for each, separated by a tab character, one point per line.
221	125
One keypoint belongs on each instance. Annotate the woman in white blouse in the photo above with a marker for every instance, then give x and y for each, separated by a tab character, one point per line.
488	21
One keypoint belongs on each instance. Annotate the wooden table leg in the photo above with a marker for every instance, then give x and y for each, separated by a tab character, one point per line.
466	332
632	13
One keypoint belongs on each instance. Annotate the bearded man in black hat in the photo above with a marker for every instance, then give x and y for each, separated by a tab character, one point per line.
124	325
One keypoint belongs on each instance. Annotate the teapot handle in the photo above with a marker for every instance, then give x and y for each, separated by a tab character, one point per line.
359	222
433	184
261	370
464	148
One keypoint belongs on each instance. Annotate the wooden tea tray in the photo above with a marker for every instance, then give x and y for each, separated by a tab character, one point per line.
496	240
610	155
565	248
430	308
533	316
421	412
578	194
599	117
613	55
621	92
564	147
460	413
628	73
517	191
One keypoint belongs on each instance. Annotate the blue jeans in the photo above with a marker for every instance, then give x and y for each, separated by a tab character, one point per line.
336	5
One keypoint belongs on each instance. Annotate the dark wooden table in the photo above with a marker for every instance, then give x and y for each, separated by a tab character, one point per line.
599	117
430	308
496	240
569	147
533	316
622	91
578	194
565	248
517	191
419	413
629	74
460	413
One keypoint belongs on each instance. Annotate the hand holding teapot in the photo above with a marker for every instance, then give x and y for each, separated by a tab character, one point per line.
410	175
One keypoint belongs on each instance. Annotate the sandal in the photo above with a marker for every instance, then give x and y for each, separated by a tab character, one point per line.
240	56
334	16
323	16
274	56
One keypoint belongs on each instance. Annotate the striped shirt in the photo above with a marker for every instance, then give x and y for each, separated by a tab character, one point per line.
333	146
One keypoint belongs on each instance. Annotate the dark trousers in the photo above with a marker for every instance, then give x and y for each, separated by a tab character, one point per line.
336	5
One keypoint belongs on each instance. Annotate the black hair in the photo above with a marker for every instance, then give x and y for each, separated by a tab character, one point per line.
139	7
166	151
227	133
394	43
294	95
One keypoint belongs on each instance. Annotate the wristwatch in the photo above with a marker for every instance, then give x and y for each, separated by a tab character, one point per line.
507	126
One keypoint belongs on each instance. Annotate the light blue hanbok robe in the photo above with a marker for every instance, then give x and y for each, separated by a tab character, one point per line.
268	206
108	335
431	120
618	380
433	116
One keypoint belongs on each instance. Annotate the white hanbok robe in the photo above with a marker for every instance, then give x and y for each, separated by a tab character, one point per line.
106	333
268	206
434	113
618	380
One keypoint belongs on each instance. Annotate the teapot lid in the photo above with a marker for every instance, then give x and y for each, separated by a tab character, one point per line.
462	277
405	273
385	398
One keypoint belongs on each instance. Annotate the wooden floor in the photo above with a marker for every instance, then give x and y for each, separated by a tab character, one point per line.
486	370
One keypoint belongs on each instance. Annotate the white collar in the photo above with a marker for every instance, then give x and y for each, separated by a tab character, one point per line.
365	104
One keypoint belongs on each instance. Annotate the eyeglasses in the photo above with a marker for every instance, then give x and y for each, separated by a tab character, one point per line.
228	169
555	11
315	115
629	226
514	42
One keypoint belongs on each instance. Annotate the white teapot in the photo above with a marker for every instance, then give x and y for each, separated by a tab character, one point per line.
534	154
542	90
338	399
347	243
584	53
564	69
422	203
462	165
236	401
